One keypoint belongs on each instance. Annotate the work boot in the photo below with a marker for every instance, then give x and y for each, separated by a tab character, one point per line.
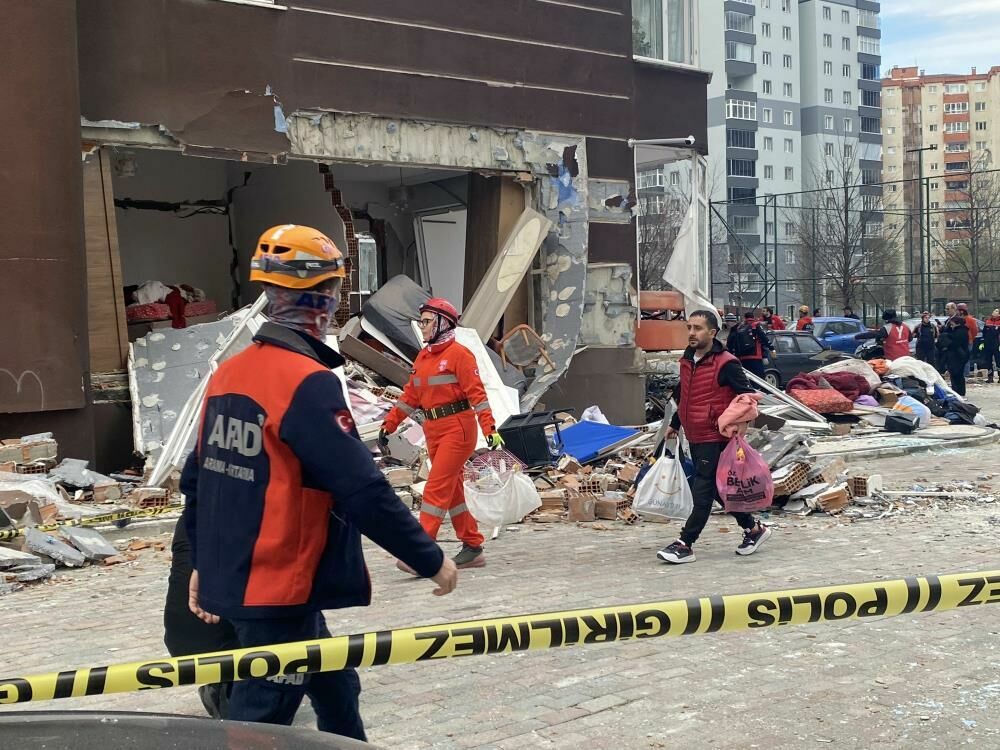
470	557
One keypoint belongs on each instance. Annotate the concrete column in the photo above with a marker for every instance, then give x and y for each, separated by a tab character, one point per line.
43	283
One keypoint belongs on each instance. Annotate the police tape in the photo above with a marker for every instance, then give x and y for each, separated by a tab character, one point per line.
289	662
101	520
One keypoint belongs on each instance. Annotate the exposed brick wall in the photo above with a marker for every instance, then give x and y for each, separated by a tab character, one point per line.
337	199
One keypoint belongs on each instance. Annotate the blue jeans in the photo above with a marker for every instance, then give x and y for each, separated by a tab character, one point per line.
334	695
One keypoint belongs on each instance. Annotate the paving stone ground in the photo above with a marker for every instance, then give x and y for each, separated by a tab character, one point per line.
908	682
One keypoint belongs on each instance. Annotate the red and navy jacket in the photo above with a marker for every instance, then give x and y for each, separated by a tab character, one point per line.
280	488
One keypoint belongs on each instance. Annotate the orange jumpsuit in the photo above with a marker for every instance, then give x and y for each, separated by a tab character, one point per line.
442	375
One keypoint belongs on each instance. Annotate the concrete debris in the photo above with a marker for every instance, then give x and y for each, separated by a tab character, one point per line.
48	546
10	558
32	573
93	546
73	473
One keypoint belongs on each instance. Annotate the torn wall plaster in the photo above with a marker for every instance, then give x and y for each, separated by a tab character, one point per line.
560	165
609	311
340	136
610	201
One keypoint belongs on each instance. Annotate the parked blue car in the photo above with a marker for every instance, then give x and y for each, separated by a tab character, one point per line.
838	333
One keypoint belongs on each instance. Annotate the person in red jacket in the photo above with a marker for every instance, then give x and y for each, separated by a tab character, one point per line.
894	336
805	322
772	321
710	379
445	385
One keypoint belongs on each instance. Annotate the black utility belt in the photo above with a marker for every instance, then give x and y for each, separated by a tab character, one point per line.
456	407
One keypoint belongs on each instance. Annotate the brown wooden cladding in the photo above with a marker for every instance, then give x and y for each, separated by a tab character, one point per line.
349	40
562	25
178	63
450	100
43	336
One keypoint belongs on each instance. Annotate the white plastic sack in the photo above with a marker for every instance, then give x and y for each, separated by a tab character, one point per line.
526	498
488	499
664	491
497	499
594	414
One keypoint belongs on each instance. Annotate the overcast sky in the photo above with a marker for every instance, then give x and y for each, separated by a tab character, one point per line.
941	36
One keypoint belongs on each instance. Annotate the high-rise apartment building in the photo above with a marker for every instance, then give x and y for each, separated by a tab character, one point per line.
938	129
793	105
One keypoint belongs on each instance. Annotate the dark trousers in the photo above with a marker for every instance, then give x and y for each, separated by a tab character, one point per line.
957	372
756	366
185	634
334	695
991	357
926	353
706	460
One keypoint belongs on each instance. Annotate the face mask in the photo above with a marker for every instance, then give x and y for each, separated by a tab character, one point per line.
304	310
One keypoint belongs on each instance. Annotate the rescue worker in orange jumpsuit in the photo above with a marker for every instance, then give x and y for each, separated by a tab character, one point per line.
445	385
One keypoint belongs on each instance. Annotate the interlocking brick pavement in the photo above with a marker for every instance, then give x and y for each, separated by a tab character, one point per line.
902	682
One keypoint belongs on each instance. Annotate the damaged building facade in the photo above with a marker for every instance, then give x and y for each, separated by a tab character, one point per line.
156	139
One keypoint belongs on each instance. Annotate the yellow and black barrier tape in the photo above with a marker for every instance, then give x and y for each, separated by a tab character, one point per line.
101	520
693	616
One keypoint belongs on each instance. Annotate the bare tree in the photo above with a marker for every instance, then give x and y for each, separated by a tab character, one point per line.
660	216
972	253
841	236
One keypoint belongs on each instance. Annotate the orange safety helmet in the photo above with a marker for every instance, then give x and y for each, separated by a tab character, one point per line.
442	307
296	257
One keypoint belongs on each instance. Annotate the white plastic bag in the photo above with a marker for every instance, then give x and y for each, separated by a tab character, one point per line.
488	497
526	499
594	414
497	499
664	491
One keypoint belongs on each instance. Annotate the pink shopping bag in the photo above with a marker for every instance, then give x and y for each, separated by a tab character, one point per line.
743	478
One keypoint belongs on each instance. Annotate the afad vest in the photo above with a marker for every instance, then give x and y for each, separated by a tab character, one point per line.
703	400
897	343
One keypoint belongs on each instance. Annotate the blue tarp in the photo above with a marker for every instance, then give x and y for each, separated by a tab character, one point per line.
584	441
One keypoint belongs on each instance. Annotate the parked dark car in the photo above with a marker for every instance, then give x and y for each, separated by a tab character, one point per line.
797	352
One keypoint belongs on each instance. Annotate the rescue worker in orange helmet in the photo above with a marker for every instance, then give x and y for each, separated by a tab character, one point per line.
279	490
445	384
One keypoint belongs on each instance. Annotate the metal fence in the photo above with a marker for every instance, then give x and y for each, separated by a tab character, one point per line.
860	243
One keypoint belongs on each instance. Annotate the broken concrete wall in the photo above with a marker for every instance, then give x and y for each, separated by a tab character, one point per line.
291	194
158	245
609	310
165	367
557	166
560	167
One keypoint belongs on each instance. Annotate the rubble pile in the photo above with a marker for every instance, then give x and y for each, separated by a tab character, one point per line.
45	505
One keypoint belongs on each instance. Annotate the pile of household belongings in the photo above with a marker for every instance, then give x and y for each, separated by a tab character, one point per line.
38	494
903	395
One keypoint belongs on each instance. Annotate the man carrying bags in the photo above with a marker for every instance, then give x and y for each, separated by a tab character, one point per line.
711	379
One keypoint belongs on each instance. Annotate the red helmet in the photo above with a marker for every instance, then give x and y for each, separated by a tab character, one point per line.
442	307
